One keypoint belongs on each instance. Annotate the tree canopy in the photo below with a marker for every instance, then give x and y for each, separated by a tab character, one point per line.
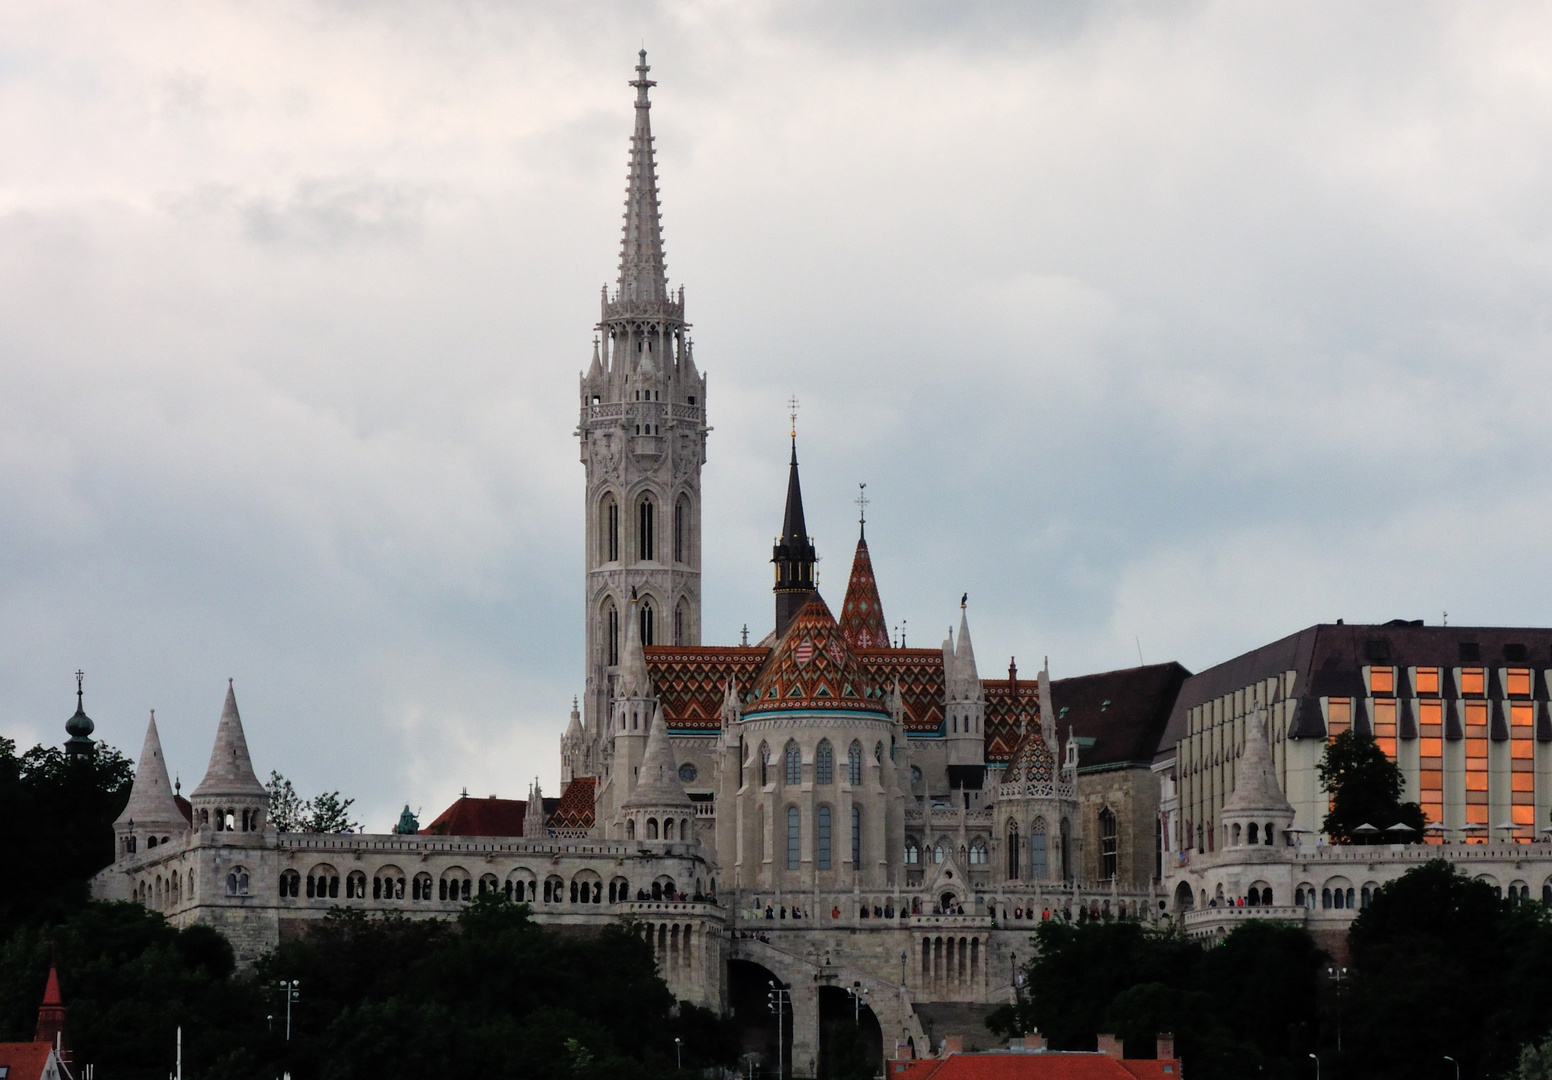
1365	788
325	813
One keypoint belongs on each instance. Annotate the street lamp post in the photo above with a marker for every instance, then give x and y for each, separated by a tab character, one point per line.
1317	1066
1337	975
778	999
1455	1063
856	993
679	1053
292	989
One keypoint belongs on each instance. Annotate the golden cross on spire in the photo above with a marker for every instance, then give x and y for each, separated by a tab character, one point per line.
792	406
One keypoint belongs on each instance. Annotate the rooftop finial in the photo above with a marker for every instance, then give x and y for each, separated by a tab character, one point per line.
792	407
964	601
80	679
862	507
642	83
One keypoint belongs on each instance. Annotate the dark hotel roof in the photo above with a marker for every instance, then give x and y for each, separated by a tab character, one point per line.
1125	712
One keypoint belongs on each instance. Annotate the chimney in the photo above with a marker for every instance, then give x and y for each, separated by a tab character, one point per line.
1110	1046
953	1044
1165	1041
1034	1041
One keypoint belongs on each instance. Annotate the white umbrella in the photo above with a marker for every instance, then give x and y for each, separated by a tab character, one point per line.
1366	828
1434	826
1401	826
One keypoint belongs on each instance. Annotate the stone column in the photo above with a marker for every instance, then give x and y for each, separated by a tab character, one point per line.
805	1028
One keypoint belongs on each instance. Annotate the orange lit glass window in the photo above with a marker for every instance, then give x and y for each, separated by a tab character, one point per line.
1382	680
1476	814
1476	715
1522	715
1434	812
1476	748
1471	680
1430	780
1476	780
1523	815
1339	715
1430	747
1427	680
1522	749
1519	682
1522	781
1385	726
1430	714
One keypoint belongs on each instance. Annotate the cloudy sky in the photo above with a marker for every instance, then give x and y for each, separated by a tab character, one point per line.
1164	329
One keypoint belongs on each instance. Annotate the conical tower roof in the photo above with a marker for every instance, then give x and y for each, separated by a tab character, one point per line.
634	680
862	614
643	273
1032	761
51	1014
151	803
230	772
811	668
1256	790
657	782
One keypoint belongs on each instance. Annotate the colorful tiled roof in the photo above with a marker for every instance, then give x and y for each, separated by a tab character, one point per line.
1032	761
862	615
575	809
1009	704
920	676
480	817
691	680
811	668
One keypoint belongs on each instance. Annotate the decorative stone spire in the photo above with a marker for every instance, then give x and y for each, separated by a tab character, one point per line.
643	274
862	614
1256	792
1047	709
79	727
152	809
230	773
793	552
633	680
657	784
965	680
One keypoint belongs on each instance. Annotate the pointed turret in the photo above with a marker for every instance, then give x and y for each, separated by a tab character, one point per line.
967	680
657	784
230	796
862	614
643	274
152	811
793	553
964	701
51	1015
1257	798
633	678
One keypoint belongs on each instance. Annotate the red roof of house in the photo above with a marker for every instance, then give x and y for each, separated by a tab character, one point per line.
480	817
575	809
1015	1065
24	1061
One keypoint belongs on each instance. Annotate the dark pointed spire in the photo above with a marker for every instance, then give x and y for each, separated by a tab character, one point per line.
643	274
793	554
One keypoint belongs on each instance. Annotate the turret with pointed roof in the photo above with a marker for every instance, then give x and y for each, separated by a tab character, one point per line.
152	810
965	705
793	553
1257	798
230	796
632	710
862	613
51	1015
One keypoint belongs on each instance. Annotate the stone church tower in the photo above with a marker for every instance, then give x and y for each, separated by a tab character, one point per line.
643	441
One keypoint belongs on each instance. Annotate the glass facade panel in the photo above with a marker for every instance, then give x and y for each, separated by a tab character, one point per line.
1518	682
1382	680
1522	715
1385	726
1427	680
1339	715
1522	781
1471	680
1430	746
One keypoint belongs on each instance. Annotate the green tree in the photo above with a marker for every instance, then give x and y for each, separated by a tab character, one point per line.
325	813
1535	1061
1365	788
58	813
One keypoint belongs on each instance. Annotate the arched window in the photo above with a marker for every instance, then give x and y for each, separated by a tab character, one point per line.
978	853
648	624
794	764
1266	896
611	634
1349	899
937	852
1325	898
1039	852
651	828
681	619
609	537
1066	839
1234	834
1253	898
824	838
646	529
1252	833
630	829
1013	851
682	530
824	763
237	882
856	836
1298	896
794	838
912	852
290	883
1266	834
1109	846
420	887
854	764
765	764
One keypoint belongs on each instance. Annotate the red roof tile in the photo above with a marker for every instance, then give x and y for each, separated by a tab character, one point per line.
812	668
480	817
1009	705
1146	1069
862	614
920	675
1037	1066
24	1061
575	809
691	680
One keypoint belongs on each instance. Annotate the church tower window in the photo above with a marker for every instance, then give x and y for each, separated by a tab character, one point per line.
1013	851
648	624
854	764
1108	845
794	838
611	634
824	763
1039	865
823	831
794	764
609	541
682	530
856	837
646	528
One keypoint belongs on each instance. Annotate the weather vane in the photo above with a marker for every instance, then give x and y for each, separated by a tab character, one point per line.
862	504
792	406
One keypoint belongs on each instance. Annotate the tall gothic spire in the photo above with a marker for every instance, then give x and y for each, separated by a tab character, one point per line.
643	274
793	553
862	613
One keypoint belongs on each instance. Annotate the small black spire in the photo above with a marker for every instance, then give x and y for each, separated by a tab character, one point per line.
793	554
79	727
